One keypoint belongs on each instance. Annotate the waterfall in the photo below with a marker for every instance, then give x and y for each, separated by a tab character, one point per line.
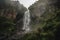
26	21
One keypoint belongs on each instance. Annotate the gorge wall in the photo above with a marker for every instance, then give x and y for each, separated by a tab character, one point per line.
11	18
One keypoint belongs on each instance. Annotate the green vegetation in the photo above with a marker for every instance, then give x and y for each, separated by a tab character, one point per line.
7	27
5	23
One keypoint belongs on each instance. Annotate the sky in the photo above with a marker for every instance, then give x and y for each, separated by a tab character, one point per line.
27	3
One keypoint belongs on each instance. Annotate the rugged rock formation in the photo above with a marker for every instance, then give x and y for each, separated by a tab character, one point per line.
7	10
12	10
40	8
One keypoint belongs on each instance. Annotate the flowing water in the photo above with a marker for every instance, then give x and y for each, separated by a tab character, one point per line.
26	21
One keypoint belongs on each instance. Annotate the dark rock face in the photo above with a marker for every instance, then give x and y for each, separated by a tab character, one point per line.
12	10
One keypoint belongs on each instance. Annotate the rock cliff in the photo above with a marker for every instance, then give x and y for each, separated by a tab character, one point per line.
42	8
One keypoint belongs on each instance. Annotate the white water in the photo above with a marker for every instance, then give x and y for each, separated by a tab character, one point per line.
26	21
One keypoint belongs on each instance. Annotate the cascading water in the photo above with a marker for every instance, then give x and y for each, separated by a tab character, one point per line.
26	21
